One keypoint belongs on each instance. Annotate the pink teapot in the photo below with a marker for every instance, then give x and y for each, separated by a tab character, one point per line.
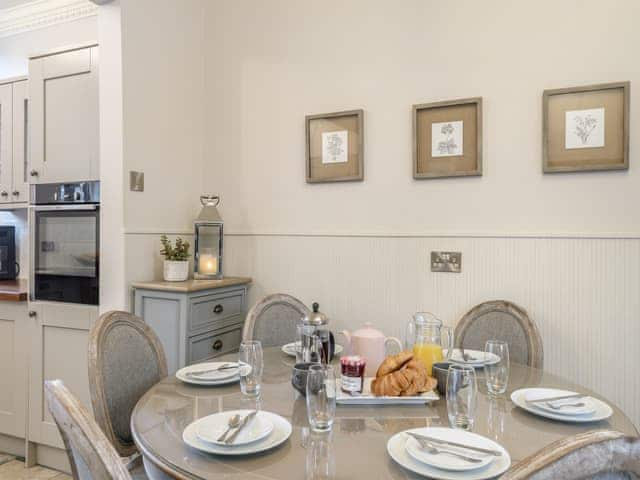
370	344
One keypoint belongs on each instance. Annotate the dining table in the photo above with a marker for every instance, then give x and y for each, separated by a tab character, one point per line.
356	446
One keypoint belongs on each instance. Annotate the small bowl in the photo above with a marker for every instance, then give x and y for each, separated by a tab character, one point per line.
440	371
299	377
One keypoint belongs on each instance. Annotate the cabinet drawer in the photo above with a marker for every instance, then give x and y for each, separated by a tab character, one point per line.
206	310
213	344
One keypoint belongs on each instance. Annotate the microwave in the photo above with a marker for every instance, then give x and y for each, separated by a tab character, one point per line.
8	267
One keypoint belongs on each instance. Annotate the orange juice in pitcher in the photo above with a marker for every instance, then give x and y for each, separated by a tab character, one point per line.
427	338
428	353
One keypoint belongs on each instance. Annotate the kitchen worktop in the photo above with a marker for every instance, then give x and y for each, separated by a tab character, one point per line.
191	285
14	290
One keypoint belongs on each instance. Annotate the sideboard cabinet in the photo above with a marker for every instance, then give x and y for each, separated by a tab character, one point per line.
196	320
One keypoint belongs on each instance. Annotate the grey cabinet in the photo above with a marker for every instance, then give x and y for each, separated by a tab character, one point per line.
195	320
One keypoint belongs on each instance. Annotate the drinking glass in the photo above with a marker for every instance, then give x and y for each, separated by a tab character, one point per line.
497	375
251	364
321	397
462	390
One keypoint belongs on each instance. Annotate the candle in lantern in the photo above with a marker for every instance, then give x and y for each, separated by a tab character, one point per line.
208	264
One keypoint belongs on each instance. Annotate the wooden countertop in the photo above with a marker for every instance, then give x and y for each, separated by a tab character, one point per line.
191	285
14	290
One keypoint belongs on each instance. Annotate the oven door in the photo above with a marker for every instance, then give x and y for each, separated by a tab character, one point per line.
66	248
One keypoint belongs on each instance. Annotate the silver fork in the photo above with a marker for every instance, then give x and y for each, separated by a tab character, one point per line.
558	407
432	449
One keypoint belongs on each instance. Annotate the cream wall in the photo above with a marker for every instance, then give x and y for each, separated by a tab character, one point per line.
547	242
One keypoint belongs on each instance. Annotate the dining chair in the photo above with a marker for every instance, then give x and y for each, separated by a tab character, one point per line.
126	359
91	454
502	320
600	454
273	320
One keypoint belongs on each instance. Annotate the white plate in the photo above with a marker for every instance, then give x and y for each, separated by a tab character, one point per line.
290	349
444	460
602	410
223	379
281	432
367	398
397	451
212	427
480	358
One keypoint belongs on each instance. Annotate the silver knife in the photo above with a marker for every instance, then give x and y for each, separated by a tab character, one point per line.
244	422
495	453
553	399
211	370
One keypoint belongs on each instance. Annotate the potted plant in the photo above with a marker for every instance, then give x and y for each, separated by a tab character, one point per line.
176	259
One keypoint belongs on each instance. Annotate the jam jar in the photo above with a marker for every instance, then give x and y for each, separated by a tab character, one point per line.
352	373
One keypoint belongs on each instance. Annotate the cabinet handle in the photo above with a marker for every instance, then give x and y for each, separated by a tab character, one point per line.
4	194
15	192
32	313
218	309
33	173
217	345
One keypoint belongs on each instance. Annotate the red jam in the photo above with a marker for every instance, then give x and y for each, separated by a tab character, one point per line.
352	370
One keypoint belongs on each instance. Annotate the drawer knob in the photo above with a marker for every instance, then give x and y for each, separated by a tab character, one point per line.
16	193
32	313
217	345
4	193
33	173
218	308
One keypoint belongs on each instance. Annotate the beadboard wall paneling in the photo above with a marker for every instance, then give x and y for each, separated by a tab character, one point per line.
582	292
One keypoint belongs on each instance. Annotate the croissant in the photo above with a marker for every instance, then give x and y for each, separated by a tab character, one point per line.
402	375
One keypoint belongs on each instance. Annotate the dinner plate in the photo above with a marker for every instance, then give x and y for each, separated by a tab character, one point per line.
480	358
602	410
367	398
218	378
290	349
397	451
281	432
446	461
212	427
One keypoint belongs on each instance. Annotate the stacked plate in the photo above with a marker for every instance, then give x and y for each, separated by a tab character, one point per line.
448	454
474	358
291	348
209	374
561	405
260	432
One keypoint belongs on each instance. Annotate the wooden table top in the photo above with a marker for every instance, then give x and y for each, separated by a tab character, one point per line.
14	290
190	285
357	445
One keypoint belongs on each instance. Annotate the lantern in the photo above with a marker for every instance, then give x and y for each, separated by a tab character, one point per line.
208	240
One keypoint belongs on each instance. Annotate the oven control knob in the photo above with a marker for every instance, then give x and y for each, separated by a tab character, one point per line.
33	173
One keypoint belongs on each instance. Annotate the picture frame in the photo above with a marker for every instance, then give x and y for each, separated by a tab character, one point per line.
334	147
586	128
447	139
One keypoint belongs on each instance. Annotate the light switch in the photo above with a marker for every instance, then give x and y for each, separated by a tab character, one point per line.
446	262
136	181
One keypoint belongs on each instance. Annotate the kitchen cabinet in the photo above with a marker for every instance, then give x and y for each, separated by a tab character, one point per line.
14	358
59	341
63	113
13	142
196	320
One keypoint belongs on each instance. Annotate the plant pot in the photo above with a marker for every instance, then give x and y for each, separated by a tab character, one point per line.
176	271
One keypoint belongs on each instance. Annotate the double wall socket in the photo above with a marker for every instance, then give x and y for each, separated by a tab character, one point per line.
446	262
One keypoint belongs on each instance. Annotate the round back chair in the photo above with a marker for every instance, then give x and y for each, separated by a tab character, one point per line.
600	454
126	359
273	320
91	455
506	321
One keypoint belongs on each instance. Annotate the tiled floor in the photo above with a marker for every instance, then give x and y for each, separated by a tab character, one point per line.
14	470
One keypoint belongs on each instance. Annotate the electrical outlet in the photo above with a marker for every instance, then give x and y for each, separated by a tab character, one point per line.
446	262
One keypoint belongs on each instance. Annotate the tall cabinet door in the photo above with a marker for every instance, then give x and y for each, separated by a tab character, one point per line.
58	351
6	141
20	188
63	93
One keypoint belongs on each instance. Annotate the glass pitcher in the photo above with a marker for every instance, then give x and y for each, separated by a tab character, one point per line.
428	339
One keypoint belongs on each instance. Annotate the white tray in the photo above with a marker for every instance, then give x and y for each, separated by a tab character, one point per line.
367	398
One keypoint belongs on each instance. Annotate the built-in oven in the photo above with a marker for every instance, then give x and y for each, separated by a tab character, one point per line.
65	235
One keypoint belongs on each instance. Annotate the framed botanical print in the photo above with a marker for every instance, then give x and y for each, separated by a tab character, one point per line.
335	147
447	139
586	128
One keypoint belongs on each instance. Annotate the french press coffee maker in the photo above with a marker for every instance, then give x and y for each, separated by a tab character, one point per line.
318	343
